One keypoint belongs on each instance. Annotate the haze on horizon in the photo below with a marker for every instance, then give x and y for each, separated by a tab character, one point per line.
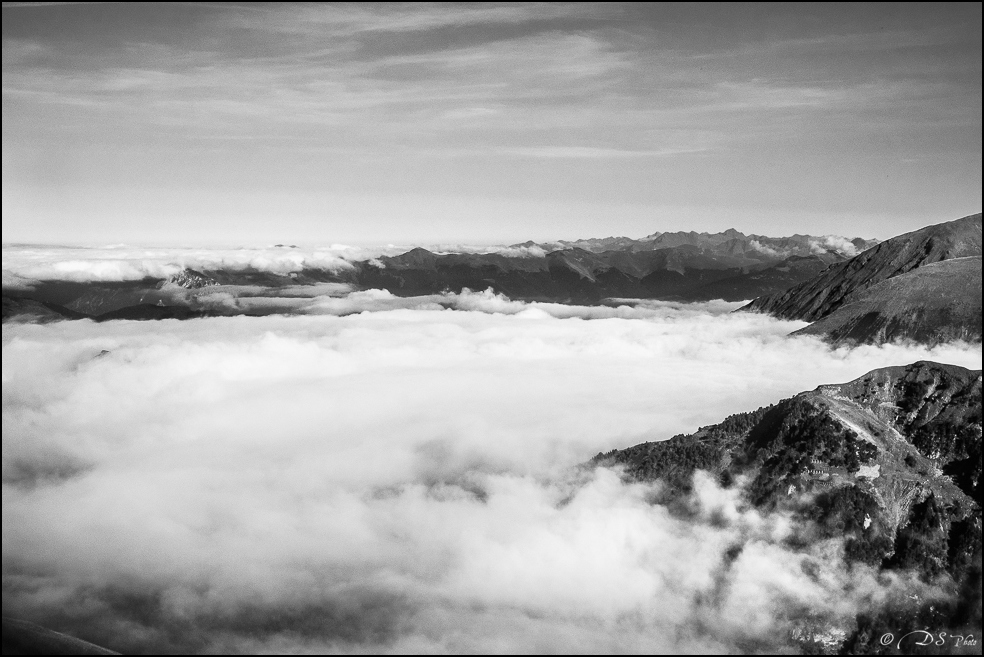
197	123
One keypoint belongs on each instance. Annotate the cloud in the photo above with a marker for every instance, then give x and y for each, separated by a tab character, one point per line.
316	21
758	94
821	245
835	243
506	251
123	263
12	281
768	250
340	300
393	86
592	152
403	480
25	265
128	263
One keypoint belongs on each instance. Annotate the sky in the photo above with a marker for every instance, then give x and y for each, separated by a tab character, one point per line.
199	124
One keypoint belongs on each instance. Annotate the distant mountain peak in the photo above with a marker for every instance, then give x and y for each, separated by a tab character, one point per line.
189	279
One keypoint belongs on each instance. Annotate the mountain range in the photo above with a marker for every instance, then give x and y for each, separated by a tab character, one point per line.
682	266
923	286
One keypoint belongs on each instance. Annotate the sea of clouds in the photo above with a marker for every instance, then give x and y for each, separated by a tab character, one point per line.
404	479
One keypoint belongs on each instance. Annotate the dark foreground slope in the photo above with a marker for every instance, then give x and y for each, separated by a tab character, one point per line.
820	296
932	304
31	310
23	638
890	462
148	311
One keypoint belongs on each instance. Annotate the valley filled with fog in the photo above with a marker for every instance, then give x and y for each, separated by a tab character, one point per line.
403	475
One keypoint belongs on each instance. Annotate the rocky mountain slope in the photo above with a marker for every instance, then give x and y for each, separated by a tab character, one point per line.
189	279
820	296
932	304
891	462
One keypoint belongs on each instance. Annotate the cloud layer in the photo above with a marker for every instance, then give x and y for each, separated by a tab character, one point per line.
25	263
403	480
131	263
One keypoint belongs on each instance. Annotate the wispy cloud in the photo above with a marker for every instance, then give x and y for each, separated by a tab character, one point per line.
325	78
530	76
354	18
447	96
578	152
325	75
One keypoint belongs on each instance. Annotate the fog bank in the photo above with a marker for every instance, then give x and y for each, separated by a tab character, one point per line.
405	480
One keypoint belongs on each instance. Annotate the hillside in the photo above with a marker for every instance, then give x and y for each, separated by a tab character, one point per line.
818	297
932	304
783	275
40	312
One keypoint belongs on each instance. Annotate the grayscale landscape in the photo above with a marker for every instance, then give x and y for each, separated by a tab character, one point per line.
448	328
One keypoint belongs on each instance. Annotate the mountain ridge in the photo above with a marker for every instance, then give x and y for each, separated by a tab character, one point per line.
935	303
816	298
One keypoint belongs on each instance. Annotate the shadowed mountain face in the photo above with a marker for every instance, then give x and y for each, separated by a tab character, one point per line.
40	312
148	311
934	303
576	275
780	276
88	299
891	462
820	296
683	266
